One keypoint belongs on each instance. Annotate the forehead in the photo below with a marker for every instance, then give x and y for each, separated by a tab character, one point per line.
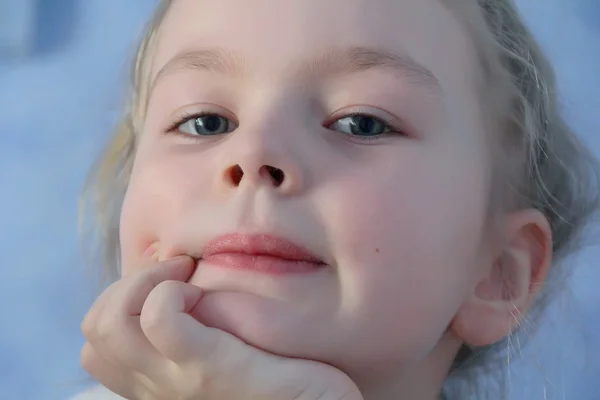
277	37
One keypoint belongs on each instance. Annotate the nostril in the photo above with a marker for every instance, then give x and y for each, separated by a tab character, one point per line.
275	174
236	174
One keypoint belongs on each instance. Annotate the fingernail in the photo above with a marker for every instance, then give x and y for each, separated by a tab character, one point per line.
151	252
177	259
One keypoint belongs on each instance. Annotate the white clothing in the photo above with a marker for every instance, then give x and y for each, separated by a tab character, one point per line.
97	393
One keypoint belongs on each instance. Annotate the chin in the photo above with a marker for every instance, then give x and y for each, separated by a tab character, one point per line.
268	324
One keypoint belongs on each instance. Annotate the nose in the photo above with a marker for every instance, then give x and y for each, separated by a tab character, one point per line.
256	167
268	175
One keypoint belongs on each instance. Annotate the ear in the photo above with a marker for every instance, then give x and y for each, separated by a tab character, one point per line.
507	288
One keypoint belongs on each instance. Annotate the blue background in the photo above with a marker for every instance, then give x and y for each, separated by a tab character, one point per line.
59	97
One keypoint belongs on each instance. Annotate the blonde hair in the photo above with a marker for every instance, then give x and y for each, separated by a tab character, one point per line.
542	163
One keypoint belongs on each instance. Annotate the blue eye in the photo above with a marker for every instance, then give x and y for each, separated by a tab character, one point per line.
206	125
361	125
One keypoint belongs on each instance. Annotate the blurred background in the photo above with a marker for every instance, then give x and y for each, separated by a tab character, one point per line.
63	64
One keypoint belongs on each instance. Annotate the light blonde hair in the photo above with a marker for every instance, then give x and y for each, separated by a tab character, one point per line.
541	164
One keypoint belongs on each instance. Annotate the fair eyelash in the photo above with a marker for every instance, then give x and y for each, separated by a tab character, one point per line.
185	117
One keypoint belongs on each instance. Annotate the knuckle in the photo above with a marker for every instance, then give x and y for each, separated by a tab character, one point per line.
88	358
154	312
165	288
106	327
90	321
150	319
88	325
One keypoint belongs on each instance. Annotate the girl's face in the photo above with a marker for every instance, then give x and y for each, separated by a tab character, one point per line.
369	112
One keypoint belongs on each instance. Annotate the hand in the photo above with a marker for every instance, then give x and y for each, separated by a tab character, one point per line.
144	343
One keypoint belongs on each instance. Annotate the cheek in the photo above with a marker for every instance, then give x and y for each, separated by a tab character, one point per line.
415	216
406	246
161	188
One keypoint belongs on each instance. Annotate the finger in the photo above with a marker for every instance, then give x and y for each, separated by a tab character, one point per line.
117	333
137	288
90	321
168	322
123	343
150	257
117	379
168	325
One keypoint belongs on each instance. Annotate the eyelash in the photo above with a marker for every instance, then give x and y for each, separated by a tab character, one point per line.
185	117
394	130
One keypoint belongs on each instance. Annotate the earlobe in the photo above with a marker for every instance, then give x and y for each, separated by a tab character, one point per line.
511	284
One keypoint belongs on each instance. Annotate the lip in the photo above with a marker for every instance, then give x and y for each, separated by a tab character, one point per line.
263	253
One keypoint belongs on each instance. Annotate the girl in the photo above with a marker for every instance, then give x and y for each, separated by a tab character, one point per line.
330	199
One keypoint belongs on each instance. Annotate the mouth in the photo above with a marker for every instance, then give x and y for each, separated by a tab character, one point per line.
262	253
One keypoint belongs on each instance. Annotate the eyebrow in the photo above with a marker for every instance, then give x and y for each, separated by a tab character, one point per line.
336	61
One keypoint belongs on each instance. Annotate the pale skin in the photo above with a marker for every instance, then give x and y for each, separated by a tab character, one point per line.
401	220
